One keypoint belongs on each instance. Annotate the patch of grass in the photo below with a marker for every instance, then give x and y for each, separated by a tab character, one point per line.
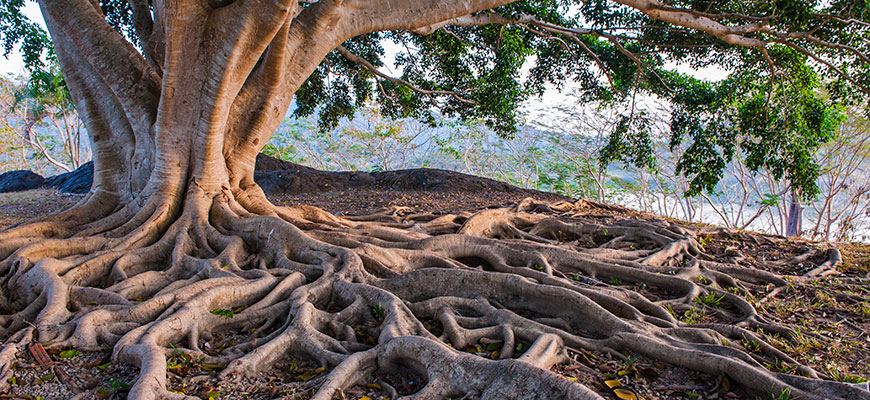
782	367
856	259
805	342
823	299
378	312
863	310
784	394
695	315
751	345
845	377
710	299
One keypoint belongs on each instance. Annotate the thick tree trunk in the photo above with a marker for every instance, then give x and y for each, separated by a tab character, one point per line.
175	228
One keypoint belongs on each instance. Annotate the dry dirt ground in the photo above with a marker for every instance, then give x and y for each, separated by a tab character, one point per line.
833	322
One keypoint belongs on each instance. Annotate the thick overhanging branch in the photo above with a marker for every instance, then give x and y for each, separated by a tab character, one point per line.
730	34
366	16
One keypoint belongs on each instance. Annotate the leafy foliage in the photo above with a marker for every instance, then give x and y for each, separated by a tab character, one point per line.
17	29
771	107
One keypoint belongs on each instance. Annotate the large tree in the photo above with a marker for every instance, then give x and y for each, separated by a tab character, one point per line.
179	97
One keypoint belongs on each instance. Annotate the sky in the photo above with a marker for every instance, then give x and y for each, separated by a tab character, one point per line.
13	64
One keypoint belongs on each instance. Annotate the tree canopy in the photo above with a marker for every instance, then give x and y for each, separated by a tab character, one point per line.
793	63
176	244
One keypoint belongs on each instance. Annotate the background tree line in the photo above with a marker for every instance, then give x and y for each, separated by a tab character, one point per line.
563	150
616	152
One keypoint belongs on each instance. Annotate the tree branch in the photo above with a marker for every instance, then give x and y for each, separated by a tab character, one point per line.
367	65
365	16
143	23
735	35
121	67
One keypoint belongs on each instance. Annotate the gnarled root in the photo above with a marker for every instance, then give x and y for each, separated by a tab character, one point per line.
373	295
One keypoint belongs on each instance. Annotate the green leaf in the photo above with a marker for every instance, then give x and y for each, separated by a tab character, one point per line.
68	353
211	367
223	312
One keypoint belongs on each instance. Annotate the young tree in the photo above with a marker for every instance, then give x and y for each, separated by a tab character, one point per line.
845	184
179	96
45	100
13	152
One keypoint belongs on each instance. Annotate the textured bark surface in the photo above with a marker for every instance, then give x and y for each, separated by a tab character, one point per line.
175	235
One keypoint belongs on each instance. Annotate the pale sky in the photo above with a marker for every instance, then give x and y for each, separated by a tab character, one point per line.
14	65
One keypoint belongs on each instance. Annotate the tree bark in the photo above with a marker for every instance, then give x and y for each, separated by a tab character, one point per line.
795	217
175	229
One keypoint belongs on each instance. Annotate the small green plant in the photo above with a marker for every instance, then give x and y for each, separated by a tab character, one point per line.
751	345
116	384
703	280
823	299
223	312
784	394
710	299
782	367
695	315
180	360
615	280
68	354
844	377
378	312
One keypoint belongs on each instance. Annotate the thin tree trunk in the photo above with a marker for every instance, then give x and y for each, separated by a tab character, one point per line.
795	215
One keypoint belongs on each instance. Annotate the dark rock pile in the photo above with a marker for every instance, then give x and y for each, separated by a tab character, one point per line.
276	176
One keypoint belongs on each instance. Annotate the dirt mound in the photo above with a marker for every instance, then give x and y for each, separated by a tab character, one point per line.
276	177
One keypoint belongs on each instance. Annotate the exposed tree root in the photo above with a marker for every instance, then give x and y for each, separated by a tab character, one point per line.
155	279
